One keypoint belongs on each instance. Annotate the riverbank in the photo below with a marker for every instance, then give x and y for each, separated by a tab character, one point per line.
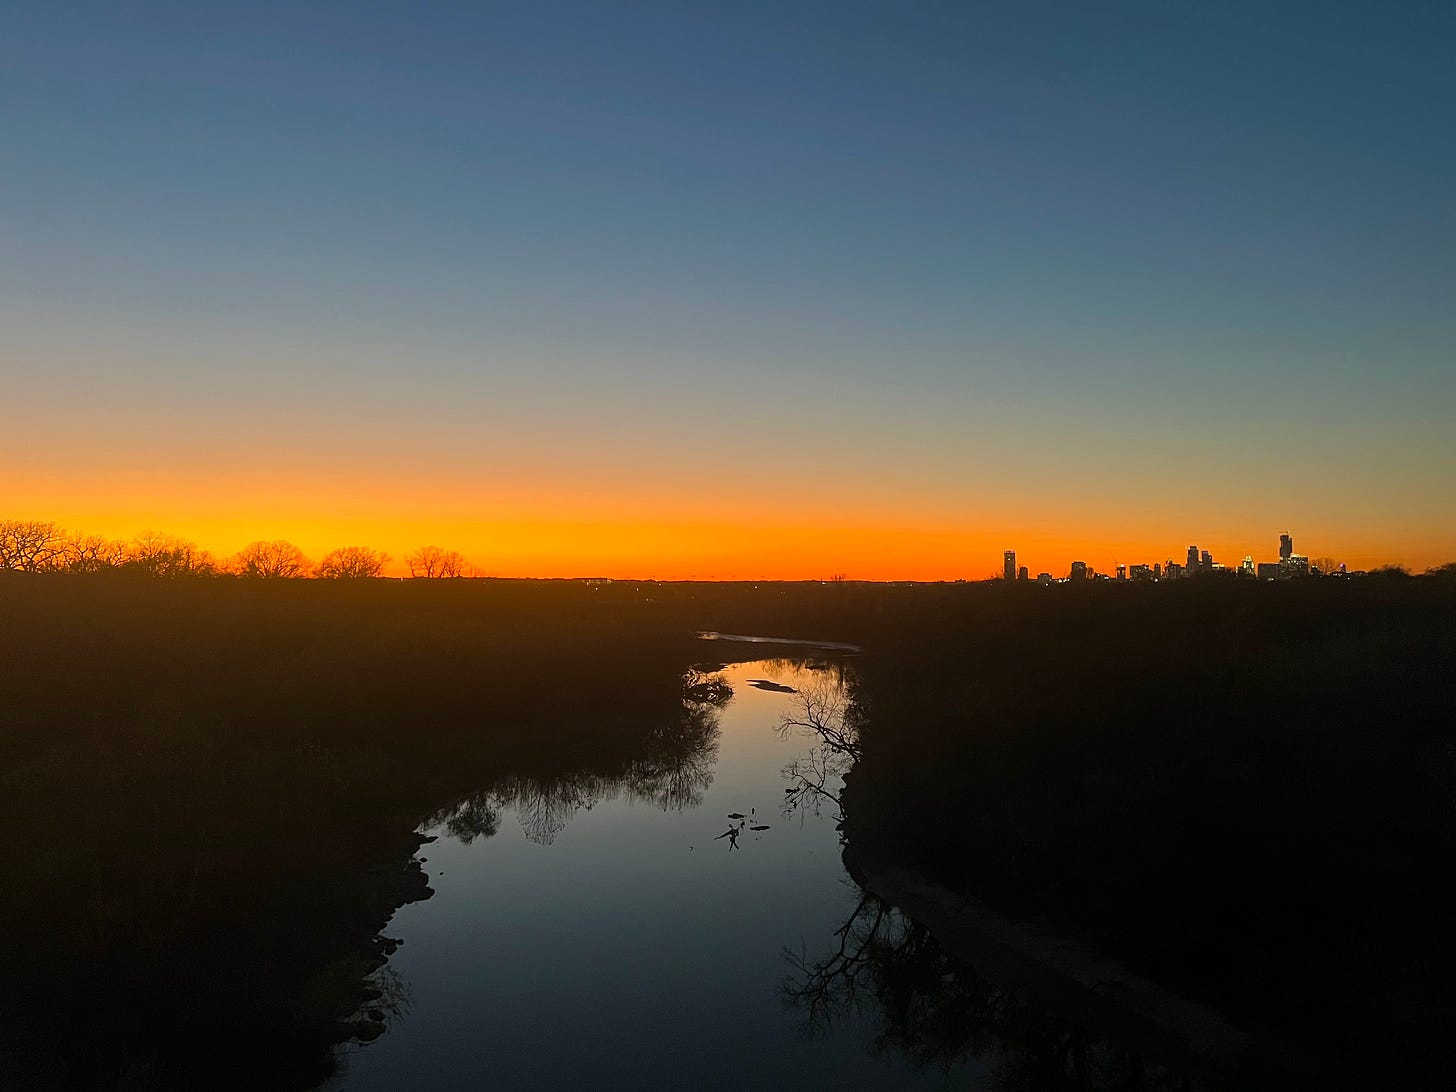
1065	977
1244	796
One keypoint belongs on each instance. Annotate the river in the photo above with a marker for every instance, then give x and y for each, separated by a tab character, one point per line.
630	941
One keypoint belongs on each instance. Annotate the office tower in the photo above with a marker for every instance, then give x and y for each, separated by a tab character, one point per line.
1192	565
1286	546
1205	561
1010	565
1079	570
1121	572
1021	573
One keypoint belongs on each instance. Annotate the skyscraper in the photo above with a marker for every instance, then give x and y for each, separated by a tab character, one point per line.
1286	546
1079	571
1010	570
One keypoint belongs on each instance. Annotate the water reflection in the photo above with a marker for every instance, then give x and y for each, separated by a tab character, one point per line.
633	872
824	713
937	1011
927	1005
671	771
191	881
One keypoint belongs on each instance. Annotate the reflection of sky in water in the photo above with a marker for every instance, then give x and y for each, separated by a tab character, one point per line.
634	950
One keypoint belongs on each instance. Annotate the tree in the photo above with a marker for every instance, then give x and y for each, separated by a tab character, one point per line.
1325	565
824	712
93	554
157	554
276	560
352	563
31	545
434	562
1391	572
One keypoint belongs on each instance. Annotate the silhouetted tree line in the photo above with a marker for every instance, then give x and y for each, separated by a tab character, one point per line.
42	546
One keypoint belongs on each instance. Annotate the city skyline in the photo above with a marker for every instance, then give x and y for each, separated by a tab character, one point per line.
1198	562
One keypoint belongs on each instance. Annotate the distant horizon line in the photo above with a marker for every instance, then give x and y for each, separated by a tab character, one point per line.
46	545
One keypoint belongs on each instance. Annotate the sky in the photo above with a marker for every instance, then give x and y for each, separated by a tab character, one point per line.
778	290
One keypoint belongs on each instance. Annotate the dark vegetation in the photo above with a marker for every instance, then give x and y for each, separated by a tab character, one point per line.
209	786
1249	792
207	790
938	1010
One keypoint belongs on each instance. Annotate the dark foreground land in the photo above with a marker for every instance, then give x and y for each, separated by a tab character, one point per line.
207	789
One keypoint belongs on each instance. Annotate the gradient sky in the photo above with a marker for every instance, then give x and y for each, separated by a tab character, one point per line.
734	290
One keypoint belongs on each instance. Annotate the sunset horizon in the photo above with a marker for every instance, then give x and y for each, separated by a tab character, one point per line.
728	550
788	545
773	292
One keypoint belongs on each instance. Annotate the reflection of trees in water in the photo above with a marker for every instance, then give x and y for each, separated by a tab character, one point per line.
672	769
384	1000
546	805
938	1012
883	965
825	712
835	672
704	686
677	767
477	816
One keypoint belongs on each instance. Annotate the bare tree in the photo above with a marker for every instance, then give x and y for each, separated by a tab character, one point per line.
1325	565
891	972
352	563
31	545
93	554
476	816
825	713
276	560
435	562
157	554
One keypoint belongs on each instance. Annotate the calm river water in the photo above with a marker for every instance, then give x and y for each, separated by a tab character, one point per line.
616	942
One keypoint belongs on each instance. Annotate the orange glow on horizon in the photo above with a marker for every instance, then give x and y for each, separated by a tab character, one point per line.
662	541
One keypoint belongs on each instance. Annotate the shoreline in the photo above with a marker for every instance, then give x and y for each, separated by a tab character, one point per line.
1070	978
